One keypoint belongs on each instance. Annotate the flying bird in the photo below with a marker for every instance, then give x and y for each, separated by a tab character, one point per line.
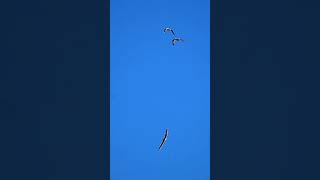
175	40
169	29
164	139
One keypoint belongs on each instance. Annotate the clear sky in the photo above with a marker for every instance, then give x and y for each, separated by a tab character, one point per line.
155	86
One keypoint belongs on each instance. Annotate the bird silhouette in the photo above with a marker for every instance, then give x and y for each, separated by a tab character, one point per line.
164	139
175	40
169	29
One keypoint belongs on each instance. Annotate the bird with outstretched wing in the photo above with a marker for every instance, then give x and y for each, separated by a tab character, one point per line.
175	40
164	139
169	29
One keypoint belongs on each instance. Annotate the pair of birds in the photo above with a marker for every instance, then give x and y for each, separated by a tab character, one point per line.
175	39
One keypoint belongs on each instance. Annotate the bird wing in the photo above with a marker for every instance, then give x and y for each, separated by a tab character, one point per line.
173	42
163	140
167	29
172	32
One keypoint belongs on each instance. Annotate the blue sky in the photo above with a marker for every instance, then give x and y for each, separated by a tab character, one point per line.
155	86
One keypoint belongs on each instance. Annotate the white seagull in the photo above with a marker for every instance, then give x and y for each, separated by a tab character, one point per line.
175	40
164	139
169	29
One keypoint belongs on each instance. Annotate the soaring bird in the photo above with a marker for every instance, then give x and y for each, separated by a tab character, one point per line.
164	139
175	40
169	29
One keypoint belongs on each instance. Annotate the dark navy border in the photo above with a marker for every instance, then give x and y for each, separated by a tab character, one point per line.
265	90
214	99
54	69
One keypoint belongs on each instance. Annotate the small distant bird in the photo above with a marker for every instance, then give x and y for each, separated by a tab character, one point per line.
169	29
164	139
175	40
